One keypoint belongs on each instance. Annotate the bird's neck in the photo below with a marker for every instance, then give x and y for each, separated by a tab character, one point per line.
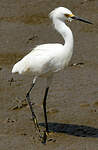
65	31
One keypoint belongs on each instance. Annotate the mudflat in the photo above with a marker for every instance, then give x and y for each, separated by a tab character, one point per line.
72	105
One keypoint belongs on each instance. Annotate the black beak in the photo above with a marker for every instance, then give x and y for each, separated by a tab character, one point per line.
81	19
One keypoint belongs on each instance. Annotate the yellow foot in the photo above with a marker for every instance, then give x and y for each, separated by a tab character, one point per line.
49	133
36	123
45	137
37	127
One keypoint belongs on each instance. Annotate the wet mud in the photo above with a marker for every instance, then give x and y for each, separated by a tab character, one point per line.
72	105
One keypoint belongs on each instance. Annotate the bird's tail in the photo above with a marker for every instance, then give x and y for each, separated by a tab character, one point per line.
17	68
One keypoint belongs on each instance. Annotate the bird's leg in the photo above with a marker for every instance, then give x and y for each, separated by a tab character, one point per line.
44	106
30	105
45	115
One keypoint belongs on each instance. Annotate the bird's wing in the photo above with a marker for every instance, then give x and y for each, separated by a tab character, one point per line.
43	59
47	47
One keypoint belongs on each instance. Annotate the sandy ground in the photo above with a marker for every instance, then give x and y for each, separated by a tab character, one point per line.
72	105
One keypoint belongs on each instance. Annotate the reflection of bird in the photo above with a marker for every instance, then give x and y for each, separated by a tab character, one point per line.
44	60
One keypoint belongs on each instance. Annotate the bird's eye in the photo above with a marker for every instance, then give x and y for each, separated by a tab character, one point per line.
67	15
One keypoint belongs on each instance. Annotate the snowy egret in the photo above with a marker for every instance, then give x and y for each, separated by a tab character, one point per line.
47	59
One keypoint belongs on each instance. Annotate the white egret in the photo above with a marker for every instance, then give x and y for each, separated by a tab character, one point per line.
46	59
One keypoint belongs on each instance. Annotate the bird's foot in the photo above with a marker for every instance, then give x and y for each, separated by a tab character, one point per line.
44	138
50	133
37	127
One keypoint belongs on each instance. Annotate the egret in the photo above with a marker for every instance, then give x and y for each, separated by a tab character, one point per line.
46	59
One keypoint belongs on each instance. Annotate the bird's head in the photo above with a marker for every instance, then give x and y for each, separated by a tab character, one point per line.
63	14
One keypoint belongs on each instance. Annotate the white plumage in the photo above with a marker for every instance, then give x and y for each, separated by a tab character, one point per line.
49	58
44	60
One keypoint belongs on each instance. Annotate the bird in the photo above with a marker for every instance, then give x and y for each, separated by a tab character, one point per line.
47	59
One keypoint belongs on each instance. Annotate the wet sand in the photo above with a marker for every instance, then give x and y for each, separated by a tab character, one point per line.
72	104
